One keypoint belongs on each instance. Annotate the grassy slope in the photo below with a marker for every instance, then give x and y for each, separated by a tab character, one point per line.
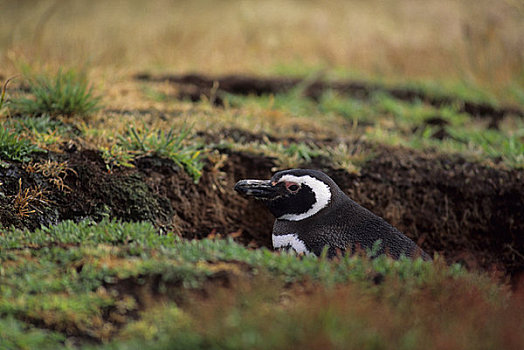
90	282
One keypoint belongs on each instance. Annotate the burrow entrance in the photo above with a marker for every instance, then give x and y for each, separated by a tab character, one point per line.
465	211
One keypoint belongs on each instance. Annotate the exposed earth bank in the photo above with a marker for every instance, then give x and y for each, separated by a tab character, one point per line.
465	211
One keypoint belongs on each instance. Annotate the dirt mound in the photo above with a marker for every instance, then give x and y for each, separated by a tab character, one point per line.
86	190
469	213
194	86
211	207
463	210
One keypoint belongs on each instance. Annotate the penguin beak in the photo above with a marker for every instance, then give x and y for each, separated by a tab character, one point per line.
260	189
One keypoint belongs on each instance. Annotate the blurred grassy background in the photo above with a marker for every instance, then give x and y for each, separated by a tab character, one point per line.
479	41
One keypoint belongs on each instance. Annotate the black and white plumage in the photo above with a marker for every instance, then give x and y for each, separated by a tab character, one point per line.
312	212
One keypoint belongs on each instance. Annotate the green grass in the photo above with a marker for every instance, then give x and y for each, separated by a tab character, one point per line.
459	90
67	94
141	239
171	144
350	108
465	89
154	94
39	125
383	119
293	155
494	144
43	131
15	334
65	281
378	105
292	102
117	156
471	141
288	156
14	147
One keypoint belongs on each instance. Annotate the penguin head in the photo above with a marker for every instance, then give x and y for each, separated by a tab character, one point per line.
294	195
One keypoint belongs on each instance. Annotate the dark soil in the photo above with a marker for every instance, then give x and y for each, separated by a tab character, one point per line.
194	86
469	213
465	211
90	192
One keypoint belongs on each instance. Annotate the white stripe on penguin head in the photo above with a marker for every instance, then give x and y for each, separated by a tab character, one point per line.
320	189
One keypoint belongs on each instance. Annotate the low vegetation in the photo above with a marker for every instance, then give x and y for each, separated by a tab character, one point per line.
67	93
28	200
123	281
14	147
383	119
171	144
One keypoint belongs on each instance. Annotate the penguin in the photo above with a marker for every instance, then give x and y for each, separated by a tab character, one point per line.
313	213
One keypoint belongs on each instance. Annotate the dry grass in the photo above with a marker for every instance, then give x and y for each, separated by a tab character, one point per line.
465	39
55	171
347	317
28	200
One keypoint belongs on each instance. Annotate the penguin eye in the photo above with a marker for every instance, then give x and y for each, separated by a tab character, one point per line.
292	187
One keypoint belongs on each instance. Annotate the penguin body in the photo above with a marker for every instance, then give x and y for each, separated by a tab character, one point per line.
312	213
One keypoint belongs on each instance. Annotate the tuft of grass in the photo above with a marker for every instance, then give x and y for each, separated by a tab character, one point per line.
28	200
14	147
117	156
292	155
349	158
67	94
172	145
54	171
353	109
156	324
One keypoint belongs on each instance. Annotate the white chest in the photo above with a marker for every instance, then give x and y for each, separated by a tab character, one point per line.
290	241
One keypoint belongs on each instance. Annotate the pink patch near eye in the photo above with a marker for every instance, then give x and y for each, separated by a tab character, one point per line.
292	186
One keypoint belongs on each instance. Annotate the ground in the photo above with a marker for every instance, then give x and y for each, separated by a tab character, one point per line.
125	126
463	210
